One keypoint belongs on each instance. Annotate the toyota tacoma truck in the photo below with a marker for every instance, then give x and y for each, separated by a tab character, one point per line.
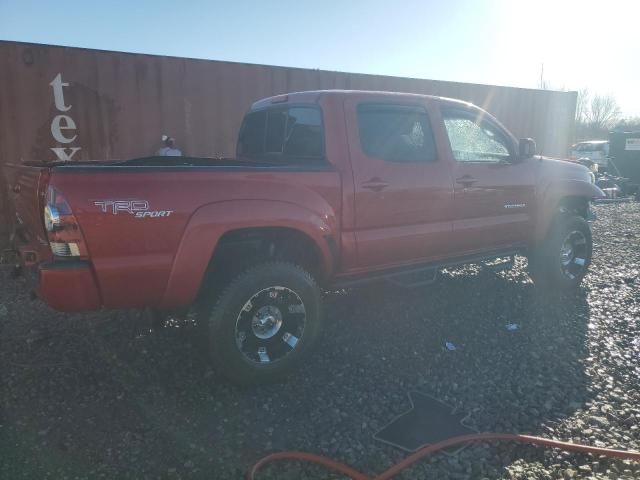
328	189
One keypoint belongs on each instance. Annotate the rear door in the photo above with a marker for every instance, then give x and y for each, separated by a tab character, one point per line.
493	192
403	188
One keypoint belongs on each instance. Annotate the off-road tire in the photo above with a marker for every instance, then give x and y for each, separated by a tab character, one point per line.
221	322
547	266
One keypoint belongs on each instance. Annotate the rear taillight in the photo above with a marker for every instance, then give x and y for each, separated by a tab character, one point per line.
51	218
62	228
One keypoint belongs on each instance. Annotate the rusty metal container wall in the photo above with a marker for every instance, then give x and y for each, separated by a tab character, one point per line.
121	103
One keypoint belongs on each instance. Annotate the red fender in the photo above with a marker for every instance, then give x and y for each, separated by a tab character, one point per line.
554	193
210	222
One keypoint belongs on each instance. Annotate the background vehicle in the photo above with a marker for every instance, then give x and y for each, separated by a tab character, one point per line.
330	188
625	161
595	150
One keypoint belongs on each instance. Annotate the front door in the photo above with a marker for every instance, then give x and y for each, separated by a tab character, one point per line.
403	189
493	191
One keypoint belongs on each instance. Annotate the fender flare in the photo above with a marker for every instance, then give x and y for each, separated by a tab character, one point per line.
210	222
554	193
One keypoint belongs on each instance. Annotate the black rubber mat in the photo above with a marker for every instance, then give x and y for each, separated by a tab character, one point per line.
428	421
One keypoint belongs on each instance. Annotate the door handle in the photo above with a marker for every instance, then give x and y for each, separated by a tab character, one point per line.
375	185
466	181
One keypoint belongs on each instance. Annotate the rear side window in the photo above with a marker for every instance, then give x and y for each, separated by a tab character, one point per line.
396	133
601	147
282	132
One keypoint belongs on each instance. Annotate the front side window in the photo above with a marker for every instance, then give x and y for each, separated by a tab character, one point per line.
282	132
475	141
396	133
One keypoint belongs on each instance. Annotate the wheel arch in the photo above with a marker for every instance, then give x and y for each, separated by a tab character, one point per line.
561	197
227	224
239	248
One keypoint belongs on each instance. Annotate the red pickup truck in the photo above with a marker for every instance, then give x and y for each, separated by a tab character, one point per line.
329	188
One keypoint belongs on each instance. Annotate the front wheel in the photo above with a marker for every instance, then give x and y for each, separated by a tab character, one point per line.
264	323
562	261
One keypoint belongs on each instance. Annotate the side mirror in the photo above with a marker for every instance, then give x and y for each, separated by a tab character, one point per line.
526	148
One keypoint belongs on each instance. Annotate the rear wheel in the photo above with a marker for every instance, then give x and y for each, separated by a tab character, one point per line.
562	261
264	323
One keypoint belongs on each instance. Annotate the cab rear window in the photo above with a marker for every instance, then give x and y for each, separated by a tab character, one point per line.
282	132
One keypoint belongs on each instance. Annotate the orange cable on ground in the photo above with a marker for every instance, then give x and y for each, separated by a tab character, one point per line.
429	449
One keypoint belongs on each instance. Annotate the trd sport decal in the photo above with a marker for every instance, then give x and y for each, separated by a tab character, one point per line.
137	208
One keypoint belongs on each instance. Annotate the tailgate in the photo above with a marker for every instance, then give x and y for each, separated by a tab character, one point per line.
26	187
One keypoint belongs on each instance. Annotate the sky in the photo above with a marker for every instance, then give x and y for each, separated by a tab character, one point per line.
582	44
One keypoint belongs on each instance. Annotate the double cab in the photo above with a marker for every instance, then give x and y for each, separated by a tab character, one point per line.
328	189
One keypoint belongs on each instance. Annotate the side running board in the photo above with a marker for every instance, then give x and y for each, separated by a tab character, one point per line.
416	276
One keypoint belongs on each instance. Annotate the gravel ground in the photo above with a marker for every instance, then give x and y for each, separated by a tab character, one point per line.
99	396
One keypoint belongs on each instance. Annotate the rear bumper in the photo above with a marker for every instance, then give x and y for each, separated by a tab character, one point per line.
68	286
27	257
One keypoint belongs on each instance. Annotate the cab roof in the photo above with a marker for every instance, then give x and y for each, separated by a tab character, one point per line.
313	96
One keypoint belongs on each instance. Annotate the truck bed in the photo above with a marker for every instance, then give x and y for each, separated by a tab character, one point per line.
171	200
